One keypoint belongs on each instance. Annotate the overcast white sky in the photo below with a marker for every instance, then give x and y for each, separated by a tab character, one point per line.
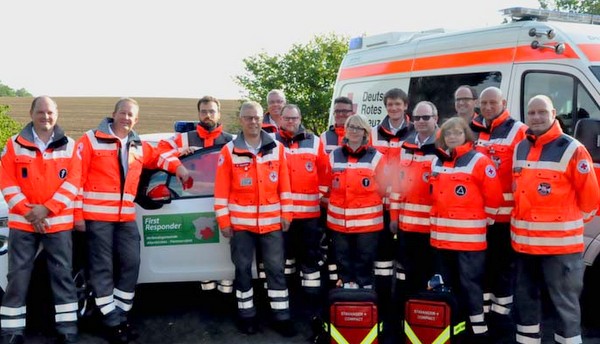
191	48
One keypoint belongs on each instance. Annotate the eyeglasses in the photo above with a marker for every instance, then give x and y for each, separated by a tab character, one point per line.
251	118
290	119
458	100
354	129
425	118
455	133
208	112
342	112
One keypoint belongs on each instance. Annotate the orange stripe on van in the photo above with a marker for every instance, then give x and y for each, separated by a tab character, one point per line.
592	51
471	58
391	67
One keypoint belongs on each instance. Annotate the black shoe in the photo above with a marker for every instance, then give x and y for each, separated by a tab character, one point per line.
285	328
116	335
14	339
248	326
67	338
130	331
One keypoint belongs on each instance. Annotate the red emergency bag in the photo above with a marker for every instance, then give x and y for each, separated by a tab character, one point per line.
429	318
353	317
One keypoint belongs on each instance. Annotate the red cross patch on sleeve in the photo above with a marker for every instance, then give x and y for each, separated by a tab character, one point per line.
583	166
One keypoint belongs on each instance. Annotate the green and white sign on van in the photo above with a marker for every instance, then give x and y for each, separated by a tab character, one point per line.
180	229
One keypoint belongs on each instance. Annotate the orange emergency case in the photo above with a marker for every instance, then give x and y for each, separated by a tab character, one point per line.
429	318
353	316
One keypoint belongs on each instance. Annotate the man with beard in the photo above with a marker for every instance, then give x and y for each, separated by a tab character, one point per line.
308	166
209	132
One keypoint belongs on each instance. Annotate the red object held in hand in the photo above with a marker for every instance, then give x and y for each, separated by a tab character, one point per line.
188	183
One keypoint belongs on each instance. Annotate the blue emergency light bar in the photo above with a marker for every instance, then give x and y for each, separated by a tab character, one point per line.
184	126
355	43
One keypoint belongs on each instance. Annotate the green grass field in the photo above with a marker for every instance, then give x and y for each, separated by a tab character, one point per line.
79	114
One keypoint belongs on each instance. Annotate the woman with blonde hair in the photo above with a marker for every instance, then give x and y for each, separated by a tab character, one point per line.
355	211
466	194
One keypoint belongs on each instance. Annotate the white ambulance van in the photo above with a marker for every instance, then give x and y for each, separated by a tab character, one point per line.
537	52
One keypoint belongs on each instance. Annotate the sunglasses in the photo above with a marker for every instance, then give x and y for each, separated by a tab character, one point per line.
425	118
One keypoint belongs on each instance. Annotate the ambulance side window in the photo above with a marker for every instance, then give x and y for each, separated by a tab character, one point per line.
560	88
571	100
586	106
440	89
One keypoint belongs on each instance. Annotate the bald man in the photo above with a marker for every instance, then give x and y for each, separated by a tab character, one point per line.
555	192
497	134
41	173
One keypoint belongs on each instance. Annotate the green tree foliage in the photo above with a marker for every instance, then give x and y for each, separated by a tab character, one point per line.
306	73
580	6
8	126
6	91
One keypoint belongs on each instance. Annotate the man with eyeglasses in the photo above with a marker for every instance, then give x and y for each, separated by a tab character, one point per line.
465	101
333	137
308	167
497	135
411	204
253	206
272	118
387	138
209	132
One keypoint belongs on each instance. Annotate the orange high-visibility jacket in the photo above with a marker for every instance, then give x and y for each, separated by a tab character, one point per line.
390	145
498	142
556	191
333	138
466	194
410	197
50	178
308	165
252	192
170	149
107	194
356	190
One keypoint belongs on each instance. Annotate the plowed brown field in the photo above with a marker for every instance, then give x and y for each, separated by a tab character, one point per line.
79	114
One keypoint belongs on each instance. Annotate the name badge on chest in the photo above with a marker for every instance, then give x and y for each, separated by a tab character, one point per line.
246	181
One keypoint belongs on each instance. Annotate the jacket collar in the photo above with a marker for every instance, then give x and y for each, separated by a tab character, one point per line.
385	129
478	122
454	153
267	144
290	138
551	134
207	134
103	132
25	137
